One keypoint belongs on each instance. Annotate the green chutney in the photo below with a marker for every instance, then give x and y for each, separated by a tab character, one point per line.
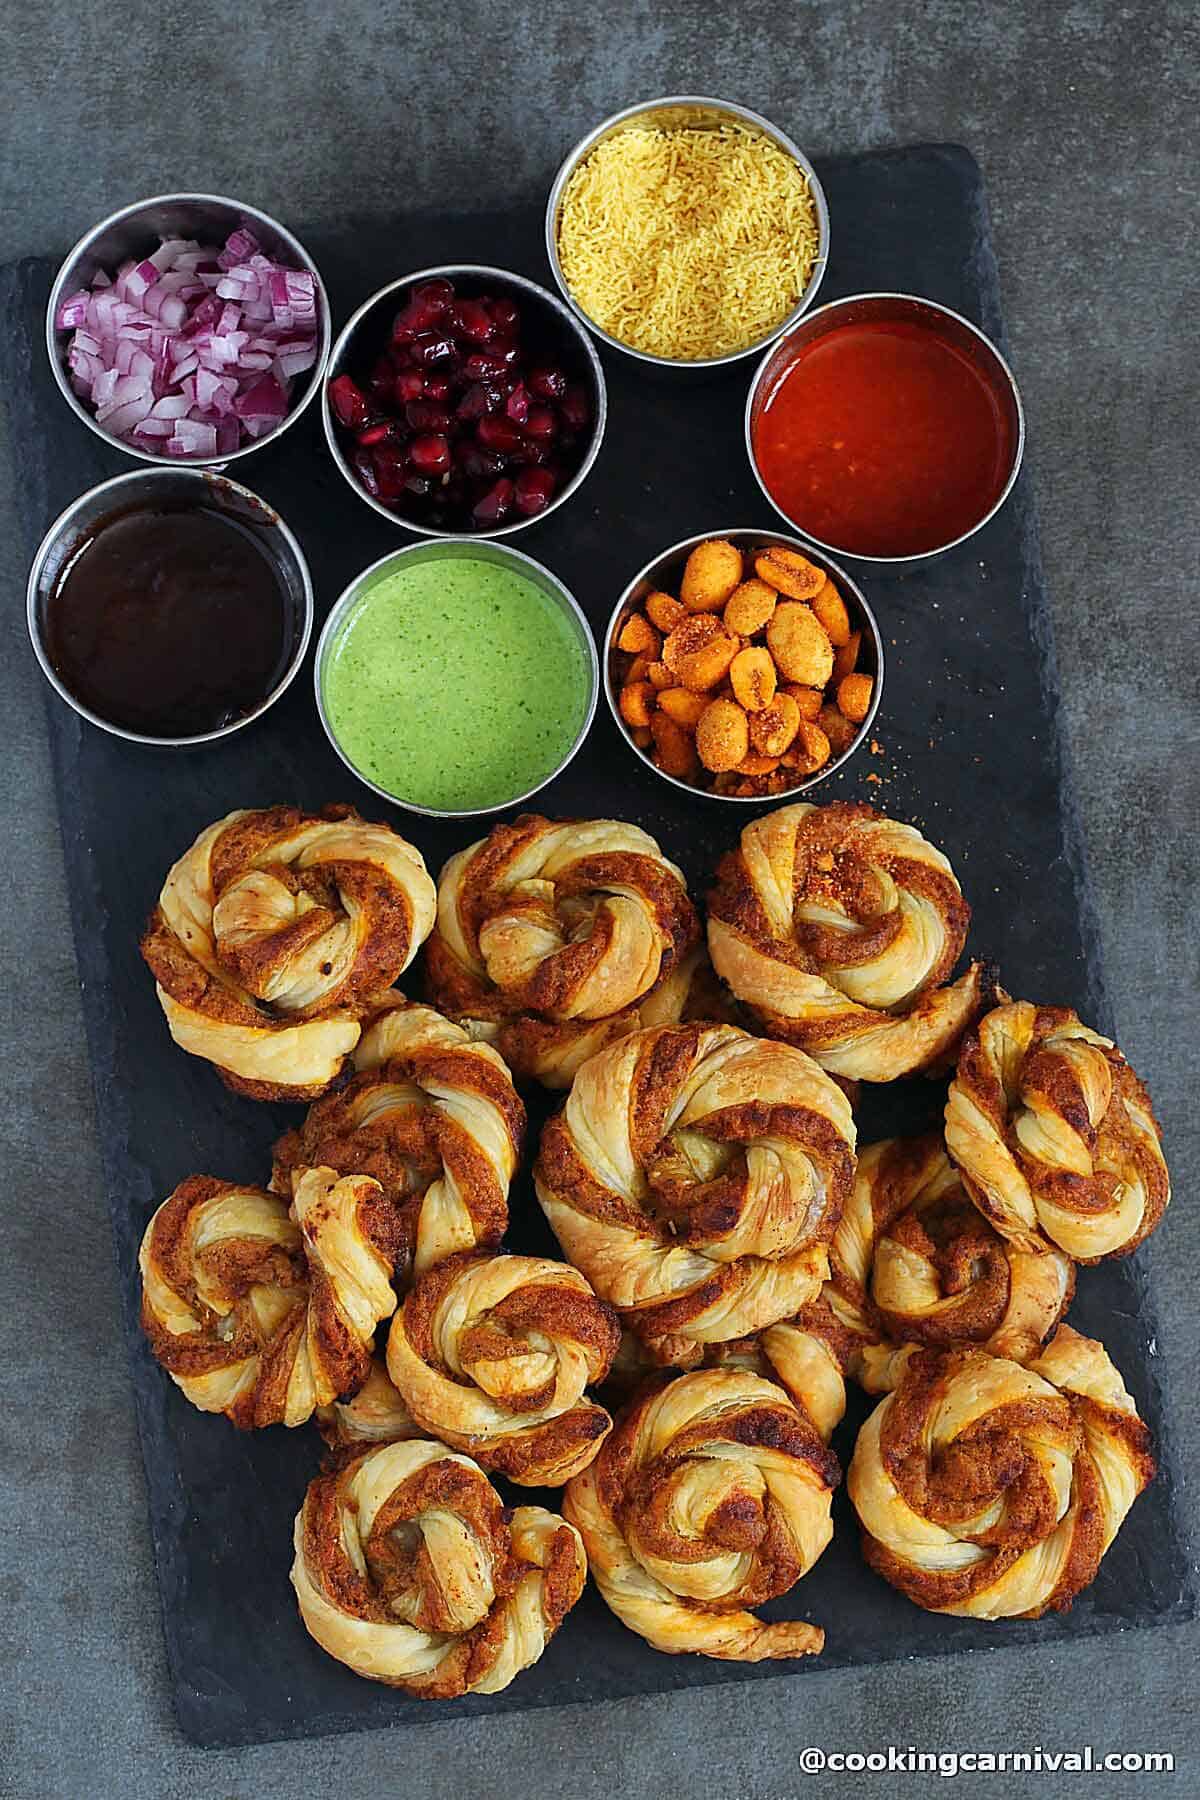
456	684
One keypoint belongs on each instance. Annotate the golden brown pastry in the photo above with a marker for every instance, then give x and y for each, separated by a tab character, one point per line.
913	1262
271	935
549	933
808	1355
376	1414
435	1119
991	1490
838	928
261	1314
1053	1133
711	1496
492	1354
409	1570
696	1175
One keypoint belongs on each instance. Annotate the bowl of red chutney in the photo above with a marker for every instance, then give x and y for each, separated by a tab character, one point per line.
885	427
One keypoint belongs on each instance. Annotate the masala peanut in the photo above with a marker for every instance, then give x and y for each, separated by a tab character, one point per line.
710	575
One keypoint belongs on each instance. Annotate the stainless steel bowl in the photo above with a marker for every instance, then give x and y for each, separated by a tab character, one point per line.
664	572
135	231
675	110
475	277
444	549
856	309
144	487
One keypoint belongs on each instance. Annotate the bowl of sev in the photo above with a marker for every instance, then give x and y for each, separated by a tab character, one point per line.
687	232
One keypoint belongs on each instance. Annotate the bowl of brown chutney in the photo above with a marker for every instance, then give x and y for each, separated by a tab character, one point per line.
170	607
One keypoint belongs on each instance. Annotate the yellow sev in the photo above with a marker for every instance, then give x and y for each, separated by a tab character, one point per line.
687	242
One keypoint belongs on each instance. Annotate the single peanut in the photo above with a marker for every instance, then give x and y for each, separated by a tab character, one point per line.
638	636
749	607
808	699
722	736
680	704
789	572
773	729
710	575
799	644
753	678
754	764
846	656
659	676
637	703
674	750
664	610
854	697
830	609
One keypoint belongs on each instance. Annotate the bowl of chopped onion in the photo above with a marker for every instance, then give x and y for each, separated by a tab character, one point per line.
687	232
188	328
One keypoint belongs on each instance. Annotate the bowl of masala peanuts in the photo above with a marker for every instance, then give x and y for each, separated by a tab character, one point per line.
744	665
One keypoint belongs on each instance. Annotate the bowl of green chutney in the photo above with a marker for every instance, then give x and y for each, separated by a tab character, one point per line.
456	676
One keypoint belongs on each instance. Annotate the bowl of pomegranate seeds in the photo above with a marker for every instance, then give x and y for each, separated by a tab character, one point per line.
464	400
188	328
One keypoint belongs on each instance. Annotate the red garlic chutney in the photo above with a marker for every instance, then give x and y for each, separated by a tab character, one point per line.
882	438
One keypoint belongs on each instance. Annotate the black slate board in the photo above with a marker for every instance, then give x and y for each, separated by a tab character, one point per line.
971	754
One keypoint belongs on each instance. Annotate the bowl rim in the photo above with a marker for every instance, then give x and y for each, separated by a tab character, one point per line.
456	548
54	336
916	557
736	110
63	524
841	577
486	272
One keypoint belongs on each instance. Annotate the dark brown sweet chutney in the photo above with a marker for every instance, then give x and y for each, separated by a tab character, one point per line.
170	620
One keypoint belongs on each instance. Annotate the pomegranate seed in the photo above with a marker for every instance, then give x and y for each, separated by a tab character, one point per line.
496	433
390	472
495	505
482	397
481	365
470	319
364	468
432	347
476	463
423	415
349	402
430	453
541	423
517	404
534	491
547	384
506	314
409	385
435	296
382	433
576	406
424	308
437	387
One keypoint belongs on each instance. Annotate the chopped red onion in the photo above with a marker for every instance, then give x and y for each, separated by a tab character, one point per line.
192	351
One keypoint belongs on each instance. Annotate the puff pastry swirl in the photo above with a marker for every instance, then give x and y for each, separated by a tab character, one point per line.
274	931
914	1262
711	1496
409	1570
696	1175
435	1119
492	1354
839	929
549	933
261	1313
1053	1133
991	1490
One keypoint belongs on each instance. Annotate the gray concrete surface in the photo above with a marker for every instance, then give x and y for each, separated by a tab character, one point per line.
1081	115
